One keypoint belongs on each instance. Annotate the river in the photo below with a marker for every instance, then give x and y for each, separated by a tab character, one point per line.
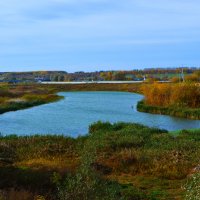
72	115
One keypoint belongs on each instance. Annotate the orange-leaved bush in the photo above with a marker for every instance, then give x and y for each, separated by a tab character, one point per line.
180	94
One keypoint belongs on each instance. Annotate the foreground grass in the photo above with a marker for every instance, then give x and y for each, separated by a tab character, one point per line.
177	132
119	161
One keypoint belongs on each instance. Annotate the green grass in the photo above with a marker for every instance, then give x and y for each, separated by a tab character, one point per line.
17	97
178	132
14	106
169	75
122	161
114	161
188	113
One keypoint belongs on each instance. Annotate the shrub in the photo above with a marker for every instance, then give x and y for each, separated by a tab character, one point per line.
180	100
182	95
192	188
100	126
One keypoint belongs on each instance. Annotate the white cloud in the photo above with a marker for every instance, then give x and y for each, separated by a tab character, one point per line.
46	26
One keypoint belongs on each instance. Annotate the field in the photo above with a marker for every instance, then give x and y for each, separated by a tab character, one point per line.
114	161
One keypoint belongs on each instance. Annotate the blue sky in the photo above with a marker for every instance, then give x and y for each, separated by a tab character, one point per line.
90	35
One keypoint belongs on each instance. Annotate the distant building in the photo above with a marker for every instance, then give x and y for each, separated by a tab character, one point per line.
41	79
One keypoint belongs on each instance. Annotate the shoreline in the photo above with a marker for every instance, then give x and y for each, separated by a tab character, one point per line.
51	91
185	113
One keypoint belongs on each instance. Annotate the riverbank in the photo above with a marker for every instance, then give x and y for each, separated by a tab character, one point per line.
188	113
119	161
17	97
14	105
178	99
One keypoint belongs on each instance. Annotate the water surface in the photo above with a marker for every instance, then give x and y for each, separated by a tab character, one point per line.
72	115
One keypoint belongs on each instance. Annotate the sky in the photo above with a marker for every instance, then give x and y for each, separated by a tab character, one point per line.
93	35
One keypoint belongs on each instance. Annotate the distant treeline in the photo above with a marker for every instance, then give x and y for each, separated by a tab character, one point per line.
157	74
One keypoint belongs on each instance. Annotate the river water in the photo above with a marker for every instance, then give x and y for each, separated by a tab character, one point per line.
72	115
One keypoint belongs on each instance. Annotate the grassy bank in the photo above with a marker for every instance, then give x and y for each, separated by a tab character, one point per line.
180	99
17	97
119	161
188	113
177	132
131	87
27	103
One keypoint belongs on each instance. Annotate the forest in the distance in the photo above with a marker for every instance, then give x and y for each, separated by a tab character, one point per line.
159	74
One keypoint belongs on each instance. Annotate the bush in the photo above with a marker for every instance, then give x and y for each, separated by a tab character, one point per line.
193	188
165	95
100	126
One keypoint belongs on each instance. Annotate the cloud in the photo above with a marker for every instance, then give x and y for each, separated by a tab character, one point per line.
47	27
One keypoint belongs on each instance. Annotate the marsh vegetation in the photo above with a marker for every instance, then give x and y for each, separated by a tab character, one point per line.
114	161
180	99
124	161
